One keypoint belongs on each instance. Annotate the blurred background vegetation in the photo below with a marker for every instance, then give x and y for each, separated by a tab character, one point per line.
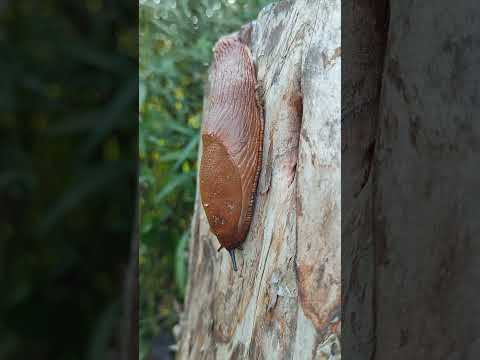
68	135
176	40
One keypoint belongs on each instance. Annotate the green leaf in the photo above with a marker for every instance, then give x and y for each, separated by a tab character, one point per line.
113	115
180	128
82	51
142	93
104	330
8	177
76	124
186	152
174	183
93	181
181	264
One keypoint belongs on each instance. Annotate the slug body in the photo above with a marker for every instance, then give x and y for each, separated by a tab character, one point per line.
232	136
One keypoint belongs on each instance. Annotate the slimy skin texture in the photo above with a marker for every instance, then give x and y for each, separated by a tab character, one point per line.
232	136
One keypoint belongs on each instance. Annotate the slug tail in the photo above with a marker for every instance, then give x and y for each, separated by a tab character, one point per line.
232	256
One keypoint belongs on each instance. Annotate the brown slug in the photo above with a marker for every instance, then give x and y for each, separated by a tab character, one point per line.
232	137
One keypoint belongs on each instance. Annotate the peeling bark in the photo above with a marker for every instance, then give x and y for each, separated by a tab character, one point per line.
284	303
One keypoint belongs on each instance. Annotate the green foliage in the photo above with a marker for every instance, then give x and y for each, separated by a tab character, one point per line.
68	126
176	39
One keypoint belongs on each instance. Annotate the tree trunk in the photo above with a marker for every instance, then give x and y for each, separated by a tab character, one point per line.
426	184
410	290
410	232
284	302
363	46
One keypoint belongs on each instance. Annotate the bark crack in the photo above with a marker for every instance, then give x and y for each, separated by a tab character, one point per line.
261	278
386	23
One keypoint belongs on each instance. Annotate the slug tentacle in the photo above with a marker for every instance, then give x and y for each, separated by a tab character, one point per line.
232	256
232	136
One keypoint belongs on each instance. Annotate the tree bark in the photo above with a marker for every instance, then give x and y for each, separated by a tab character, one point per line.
284	303
426	184
365	26
409	227
409	290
